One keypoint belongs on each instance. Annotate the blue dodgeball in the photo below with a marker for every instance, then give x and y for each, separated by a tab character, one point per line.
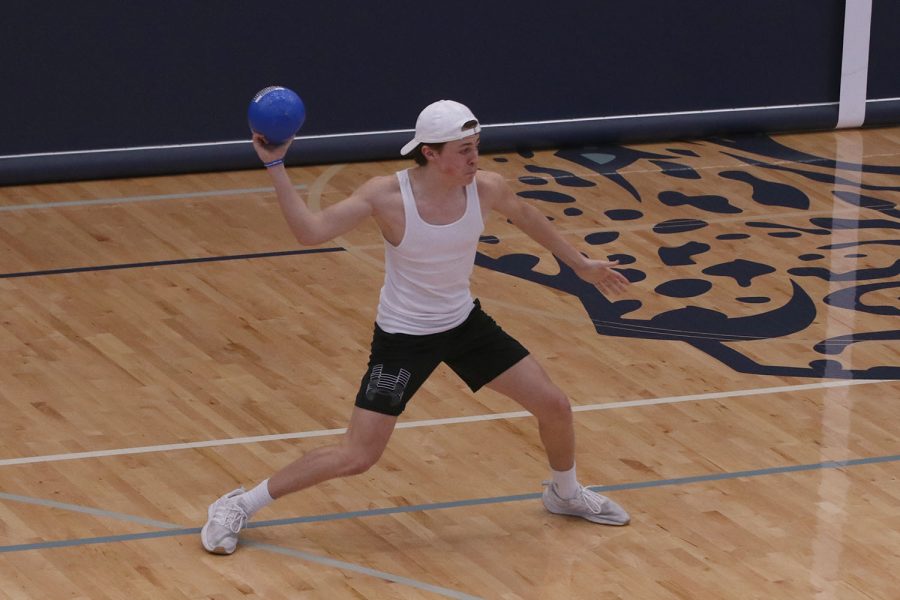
277	113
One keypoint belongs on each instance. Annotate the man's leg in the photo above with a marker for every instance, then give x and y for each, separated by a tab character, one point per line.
527	383
359	448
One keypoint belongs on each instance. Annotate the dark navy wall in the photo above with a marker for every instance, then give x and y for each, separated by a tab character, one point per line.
113	75
884	50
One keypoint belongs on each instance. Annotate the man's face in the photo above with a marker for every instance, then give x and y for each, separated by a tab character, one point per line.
458	159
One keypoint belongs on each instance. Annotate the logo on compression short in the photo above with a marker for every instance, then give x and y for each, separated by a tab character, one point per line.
387	385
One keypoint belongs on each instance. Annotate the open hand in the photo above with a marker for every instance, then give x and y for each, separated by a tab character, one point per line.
603	276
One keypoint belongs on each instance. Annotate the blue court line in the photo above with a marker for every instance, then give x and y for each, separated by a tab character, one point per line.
178	261
163	263
101	540
87	510
833	464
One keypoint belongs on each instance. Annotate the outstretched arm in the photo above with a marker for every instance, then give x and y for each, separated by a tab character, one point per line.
308	227
535	224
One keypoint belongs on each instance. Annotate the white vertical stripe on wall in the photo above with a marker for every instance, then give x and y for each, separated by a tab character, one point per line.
855	63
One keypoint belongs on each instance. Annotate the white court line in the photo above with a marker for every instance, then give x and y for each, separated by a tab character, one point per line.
427	423
239	191
340	564
150	198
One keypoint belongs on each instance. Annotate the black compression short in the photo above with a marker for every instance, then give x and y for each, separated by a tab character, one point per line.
477	350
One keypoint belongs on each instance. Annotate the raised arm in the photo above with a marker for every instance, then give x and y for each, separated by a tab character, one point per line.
493	189
312	228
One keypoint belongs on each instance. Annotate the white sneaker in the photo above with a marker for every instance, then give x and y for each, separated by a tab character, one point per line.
587	504
226	519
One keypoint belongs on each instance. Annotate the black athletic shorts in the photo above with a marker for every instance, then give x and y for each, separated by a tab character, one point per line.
477	350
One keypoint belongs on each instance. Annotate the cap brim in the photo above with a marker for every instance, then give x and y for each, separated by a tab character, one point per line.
409	147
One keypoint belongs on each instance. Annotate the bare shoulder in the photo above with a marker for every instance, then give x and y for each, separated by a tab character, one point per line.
379	190
380	185
382	194
493	190
492	187
490	180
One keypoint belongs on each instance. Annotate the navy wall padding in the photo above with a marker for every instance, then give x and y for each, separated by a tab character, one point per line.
884	52
155	81
882	113
378	146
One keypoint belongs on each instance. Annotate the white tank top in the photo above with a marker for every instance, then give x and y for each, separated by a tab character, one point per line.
426	280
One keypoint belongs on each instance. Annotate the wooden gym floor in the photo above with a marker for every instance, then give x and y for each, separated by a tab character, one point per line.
165	340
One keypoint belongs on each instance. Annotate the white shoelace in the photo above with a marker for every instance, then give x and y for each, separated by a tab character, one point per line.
230	516
593	500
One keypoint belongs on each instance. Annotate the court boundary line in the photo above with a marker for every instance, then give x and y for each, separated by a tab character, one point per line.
167	528
357	568
428	422
261	190
166	263
173	530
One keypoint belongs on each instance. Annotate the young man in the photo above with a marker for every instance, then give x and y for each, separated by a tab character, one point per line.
431	217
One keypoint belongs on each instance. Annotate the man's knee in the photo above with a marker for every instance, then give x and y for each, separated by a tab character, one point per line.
555	405
360	460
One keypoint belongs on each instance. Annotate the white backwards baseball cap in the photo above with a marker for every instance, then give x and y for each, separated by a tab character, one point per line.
441	121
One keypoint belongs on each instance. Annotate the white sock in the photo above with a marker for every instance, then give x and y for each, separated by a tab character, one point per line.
256	499
566	483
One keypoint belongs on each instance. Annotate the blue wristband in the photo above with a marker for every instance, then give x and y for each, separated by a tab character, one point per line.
274	163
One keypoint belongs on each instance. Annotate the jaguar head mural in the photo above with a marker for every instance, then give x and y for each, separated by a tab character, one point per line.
734	242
